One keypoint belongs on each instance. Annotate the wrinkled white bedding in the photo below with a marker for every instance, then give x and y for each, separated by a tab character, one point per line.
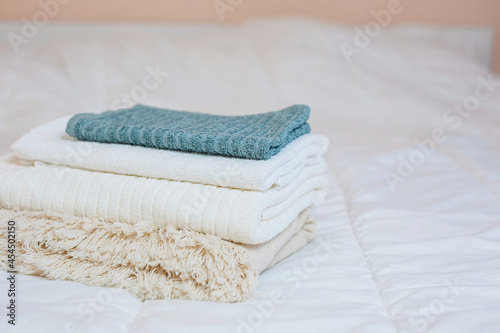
409	239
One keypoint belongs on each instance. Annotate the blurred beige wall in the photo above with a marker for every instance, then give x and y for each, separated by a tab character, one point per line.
448	12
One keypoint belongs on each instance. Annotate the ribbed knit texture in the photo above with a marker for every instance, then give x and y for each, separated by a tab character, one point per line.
149	262
250	217
258	136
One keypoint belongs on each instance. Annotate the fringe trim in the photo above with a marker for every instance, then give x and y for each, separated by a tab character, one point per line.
149	262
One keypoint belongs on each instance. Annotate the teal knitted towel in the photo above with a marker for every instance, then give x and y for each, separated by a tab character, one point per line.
258	136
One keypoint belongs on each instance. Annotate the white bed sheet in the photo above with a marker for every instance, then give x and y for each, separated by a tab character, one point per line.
422	258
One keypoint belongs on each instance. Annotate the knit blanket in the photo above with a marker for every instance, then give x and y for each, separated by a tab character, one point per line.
257	136
149	262
50	144
250	217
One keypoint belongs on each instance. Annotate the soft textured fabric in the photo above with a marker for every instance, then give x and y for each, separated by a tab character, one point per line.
257	136
149	262
50	143
424	258
250	217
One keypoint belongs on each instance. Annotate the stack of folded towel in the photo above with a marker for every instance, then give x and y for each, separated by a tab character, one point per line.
163	203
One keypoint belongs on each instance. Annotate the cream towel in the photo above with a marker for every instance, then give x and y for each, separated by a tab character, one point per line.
250	217
50	143
149	262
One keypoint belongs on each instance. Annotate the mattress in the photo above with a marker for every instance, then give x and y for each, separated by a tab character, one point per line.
409	236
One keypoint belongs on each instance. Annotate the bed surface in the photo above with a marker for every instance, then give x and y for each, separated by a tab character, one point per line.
418	253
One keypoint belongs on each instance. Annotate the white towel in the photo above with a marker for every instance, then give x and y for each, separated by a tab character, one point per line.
250	217
49	143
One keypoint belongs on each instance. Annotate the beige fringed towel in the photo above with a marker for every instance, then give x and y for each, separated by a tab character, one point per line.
148	261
